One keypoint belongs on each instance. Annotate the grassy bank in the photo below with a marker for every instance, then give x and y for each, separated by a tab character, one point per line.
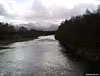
6	42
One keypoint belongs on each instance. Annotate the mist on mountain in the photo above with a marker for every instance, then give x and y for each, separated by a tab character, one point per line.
39	26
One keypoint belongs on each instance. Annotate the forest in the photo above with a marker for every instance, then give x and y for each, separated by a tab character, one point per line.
81	34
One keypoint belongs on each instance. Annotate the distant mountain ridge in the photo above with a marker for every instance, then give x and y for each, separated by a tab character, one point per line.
38	26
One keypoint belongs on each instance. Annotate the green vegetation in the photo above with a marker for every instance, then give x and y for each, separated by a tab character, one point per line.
81	34
9	33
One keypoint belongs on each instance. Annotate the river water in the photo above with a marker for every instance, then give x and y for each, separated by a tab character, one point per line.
39	57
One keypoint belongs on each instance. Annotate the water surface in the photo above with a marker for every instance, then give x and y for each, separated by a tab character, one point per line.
39	57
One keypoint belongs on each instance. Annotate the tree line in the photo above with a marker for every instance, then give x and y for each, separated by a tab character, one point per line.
8	32
81	31
81	35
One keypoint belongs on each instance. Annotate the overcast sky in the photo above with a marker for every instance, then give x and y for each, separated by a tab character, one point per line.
49	11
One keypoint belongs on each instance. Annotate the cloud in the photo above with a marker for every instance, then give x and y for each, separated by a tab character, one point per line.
51	11
41	12
38	11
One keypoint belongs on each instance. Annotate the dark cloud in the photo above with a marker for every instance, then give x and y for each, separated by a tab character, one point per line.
81	9
63	13
3	11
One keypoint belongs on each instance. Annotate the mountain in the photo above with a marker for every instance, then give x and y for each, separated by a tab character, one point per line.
43	26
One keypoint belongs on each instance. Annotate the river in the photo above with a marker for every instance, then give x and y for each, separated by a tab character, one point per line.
39	57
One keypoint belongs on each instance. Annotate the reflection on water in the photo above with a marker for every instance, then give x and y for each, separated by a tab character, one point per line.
39	57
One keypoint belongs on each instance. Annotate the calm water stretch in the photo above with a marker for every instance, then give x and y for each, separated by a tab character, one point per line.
40	57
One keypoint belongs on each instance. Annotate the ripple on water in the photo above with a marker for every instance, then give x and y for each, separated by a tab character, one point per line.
39	57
